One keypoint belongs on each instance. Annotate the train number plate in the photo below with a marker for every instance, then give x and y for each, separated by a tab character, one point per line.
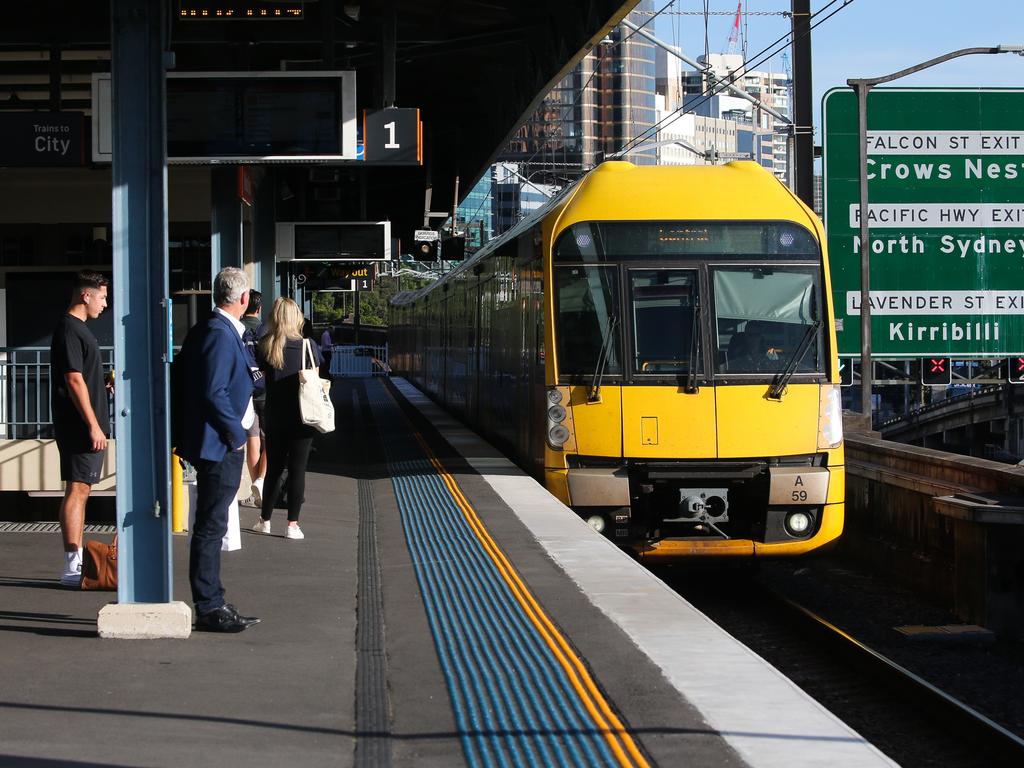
798	485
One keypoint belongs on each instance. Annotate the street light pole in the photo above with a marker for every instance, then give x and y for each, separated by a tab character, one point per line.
861	87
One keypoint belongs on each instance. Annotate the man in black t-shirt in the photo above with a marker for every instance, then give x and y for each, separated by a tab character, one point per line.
81	420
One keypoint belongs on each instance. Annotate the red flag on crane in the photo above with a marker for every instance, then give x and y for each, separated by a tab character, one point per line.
734	36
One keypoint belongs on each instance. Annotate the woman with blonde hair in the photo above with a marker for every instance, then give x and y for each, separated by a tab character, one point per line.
281	355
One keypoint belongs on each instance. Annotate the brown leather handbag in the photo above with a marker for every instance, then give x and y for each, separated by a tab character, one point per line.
99	565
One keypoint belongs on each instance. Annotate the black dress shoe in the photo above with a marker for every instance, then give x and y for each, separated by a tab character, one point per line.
247	620
223	619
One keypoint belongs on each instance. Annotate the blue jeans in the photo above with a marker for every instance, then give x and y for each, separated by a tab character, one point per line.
217	487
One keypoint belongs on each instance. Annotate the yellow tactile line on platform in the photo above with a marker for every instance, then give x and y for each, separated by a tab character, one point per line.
611	728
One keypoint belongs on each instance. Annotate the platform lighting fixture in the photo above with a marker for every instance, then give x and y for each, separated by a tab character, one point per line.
861	87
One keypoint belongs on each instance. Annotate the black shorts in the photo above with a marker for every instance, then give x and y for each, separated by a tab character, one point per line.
80	467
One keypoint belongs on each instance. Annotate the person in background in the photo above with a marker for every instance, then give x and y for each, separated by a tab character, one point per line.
81	417
255	449
326	344
217	413
281	353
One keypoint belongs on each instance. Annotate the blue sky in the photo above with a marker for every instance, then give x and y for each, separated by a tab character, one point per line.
869	38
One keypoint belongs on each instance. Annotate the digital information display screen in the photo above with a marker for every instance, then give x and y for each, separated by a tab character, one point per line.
247	117
361	241
209	118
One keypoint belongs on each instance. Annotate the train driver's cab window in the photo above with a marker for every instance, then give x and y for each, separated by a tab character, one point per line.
664	318
765	317
587	325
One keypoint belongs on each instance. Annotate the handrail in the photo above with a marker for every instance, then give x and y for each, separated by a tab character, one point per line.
26	389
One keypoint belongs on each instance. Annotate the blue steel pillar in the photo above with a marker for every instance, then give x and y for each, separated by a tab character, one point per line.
225	220
265	239
142	328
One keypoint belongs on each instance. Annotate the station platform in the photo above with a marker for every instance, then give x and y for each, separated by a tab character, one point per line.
443	610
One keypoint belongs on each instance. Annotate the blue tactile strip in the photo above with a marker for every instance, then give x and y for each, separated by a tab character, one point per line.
513	702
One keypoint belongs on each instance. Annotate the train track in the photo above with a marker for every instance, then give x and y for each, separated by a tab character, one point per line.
909	719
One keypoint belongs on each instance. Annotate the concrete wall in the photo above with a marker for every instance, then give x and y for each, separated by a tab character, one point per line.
893	524
34	465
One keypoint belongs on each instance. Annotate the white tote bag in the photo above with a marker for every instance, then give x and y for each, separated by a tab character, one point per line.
314	394
232	540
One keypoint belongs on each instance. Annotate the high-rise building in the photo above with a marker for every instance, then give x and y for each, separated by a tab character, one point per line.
594	111
767	138
476	216
688	139
515	196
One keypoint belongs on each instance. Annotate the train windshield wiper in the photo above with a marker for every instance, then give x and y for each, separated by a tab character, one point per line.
691	369
602	361
778	387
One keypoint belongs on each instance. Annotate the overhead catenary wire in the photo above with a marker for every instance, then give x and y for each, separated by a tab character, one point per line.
713	89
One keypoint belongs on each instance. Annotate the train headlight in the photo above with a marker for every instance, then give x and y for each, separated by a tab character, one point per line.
830	417
554	396
797	523
557	435
556	414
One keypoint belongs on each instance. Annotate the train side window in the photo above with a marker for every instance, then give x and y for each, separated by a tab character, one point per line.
587	310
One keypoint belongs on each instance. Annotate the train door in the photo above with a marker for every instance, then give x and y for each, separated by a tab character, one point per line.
668	412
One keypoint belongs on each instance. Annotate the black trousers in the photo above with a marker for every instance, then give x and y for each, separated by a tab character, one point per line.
217	483
286	449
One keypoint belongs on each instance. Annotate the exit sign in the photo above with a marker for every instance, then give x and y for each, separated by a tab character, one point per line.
946	218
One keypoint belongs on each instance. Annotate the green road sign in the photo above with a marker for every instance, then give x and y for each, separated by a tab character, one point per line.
946	195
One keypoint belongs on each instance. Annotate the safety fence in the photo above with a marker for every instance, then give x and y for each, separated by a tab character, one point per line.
359	360
25	389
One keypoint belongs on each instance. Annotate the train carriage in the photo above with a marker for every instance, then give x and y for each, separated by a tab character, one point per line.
656	346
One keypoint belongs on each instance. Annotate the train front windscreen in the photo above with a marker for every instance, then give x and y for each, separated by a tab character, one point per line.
629	299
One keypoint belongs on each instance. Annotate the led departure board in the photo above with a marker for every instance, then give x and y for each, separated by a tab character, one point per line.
222	11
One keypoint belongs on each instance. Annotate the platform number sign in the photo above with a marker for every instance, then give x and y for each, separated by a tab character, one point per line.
393	136
936	371
1015	369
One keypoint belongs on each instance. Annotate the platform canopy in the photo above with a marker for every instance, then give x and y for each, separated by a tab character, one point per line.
476	69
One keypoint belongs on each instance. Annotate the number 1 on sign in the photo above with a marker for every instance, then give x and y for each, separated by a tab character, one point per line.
392	144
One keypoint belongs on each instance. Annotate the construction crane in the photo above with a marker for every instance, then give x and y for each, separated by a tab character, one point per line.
734	36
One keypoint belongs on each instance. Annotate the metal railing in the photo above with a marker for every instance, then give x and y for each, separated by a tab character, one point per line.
25	390
359	360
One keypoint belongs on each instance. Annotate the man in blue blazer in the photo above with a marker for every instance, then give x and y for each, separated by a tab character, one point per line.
217	412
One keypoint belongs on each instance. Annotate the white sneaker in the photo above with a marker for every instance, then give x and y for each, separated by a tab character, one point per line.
261	526
257	492
250	501
294	532
72	576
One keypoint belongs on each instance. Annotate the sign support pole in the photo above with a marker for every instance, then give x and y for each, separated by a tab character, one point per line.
867	372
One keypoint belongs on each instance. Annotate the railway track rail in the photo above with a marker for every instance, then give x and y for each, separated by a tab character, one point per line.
913	721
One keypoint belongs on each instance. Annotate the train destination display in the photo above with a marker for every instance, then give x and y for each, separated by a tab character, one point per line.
946	214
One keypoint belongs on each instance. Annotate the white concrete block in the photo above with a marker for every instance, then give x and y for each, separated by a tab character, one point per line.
145	621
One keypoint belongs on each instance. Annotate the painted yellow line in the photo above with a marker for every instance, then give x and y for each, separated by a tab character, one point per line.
609	725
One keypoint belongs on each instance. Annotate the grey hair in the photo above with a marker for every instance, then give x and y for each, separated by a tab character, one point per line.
229	285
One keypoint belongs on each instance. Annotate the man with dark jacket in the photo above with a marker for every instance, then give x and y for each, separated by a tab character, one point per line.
217	412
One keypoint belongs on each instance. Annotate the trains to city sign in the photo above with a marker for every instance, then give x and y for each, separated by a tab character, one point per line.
656	346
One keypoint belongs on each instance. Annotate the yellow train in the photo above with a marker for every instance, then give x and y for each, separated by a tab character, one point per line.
656	346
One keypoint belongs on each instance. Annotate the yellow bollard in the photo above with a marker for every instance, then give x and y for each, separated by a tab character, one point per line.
177	495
